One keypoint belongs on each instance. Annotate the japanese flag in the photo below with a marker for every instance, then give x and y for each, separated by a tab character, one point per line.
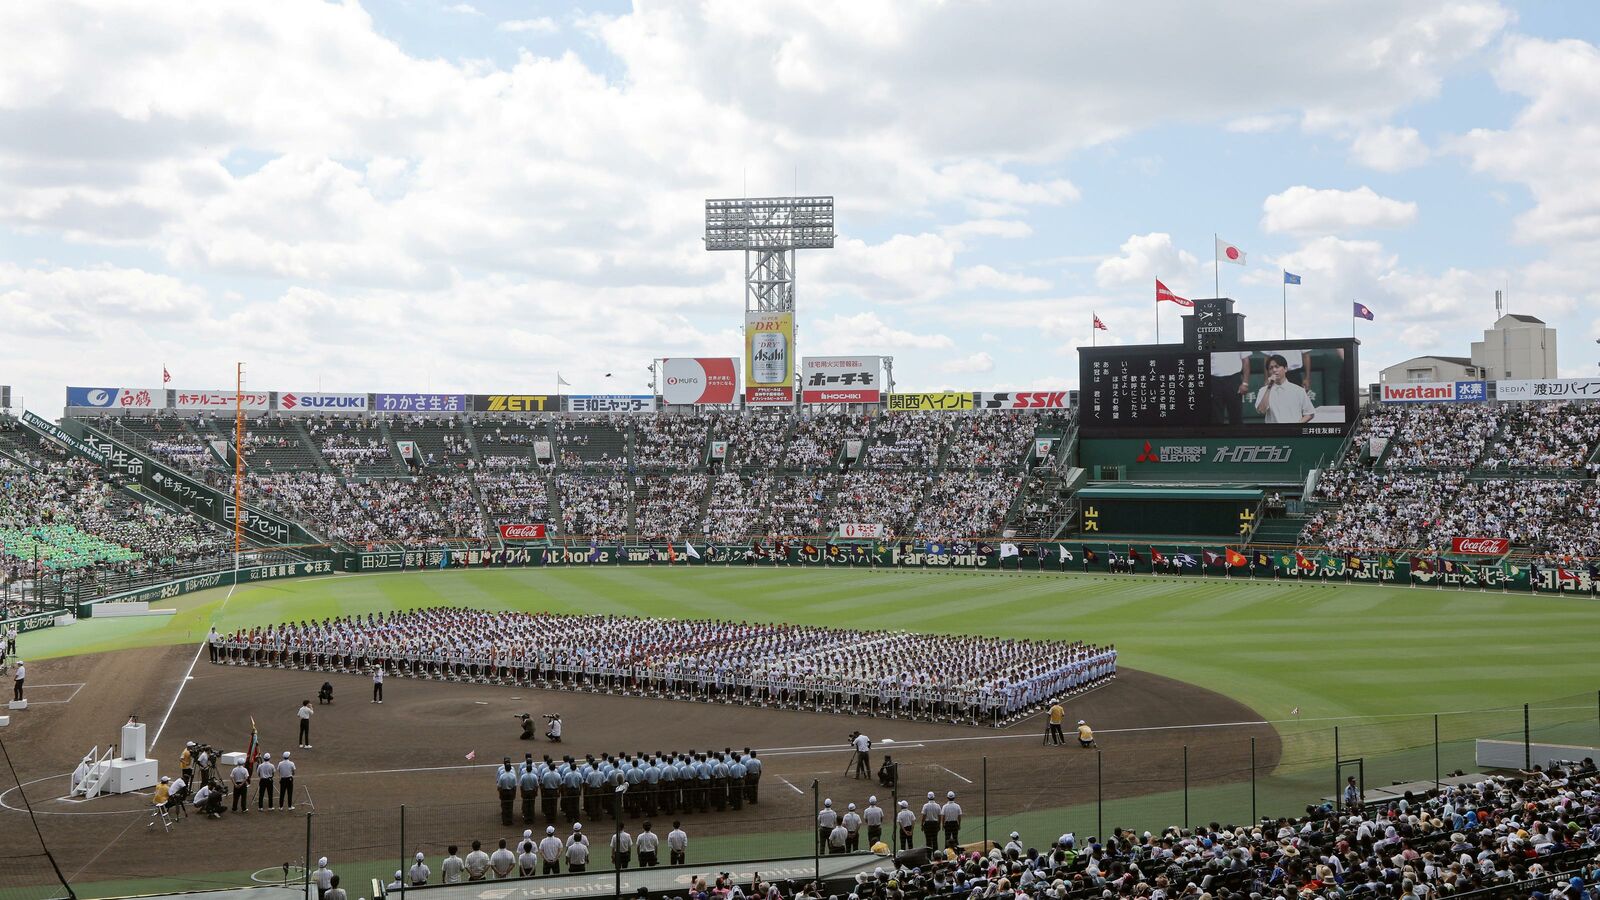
1227	252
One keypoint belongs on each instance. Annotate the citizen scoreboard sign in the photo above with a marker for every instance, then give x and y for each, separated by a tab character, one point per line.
1434	392
839	379
699	381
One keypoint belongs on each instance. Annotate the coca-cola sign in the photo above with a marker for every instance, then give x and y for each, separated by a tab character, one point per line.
530	532
1480	546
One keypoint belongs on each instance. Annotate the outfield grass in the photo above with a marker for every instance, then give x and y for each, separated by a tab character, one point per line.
1347	650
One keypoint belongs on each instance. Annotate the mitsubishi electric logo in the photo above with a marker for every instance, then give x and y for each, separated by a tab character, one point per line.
1246	454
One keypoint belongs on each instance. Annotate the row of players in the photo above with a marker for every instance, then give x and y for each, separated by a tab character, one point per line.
654	783
817	692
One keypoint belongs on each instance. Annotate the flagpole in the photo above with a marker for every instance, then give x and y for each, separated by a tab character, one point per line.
1094	333
1286	305
1216	267
1158	318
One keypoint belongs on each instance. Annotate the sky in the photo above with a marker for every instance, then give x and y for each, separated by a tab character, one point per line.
474	196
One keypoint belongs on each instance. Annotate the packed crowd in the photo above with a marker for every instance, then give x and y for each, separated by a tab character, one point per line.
817	440
1545	436
1443	437
665	507
593	505
935	677
671	442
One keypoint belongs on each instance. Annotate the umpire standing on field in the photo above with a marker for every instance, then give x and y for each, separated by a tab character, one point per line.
505	781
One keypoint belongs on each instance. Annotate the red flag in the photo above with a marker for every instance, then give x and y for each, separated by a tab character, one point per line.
1156	557
1301	561
1099	325
166	377
1564	575
1165	293
1236	559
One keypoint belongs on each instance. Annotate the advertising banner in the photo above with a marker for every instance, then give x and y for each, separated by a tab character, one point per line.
1021	400
420	403
697	381
1180	459
861	530
1435	392
719	450
515	403
522	532
1548	389
55	433
768	358
1042	447
116	398
220	400
839	379
611	403
311	402
1480	546
944	401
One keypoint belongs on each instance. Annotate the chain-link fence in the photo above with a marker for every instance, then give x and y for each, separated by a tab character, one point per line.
27	871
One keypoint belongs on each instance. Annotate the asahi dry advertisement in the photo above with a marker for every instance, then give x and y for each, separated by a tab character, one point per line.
769	358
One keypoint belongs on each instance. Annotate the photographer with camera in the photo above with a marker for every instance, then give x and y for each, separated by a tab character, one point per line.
862	745
528	732
554	732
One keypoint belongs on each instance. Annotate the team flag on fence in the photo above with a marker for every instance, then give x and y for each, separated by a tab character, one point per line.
472	754
1008	549
1236	559
1300	561
1264	559
1156	557
690	551
1066	555
1211	559
1420	565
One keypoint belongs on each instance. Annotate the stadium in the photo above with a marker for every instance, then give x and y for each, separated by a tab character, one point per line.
1220	616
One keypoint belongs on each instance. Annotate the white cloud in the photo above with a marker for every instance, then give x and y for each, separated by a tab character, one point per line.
541	25
1302	209
465	9
866	333
976	364
1259	124
1144	258
1390	149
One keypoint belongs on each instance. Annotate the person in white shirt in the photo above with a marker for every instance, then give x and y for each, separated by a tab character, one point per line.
323	876
904	821
648	843
851	821
286	769
950	815
872	817
554	733
334	891
577	857
397	885
214	642
419	872
477	863
241	788
1282	402
863	744
1298	363
677	845
502	861
377	684
22	675
621	848
305	724
527	860
265	772
826	819
550	852
453	869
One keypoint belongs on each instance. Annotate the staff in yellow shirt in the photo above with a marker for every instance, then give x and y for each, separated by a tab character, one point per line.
1057	717
1085	734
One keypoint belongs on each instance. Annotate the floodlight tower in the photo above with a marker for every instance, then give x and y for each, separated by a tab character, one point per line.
771	228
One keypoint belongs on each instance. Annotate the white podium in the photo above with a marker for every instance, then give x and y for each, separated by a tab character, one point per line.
134	771
17	704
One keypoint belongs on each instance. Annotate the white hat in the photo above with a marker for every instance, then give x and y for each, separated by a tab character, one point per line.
827	803
873	799
266	756
851	806
904	804
190	744
1080	722
285	754
950	795
577	826
930	795
1016	834
527	833
549	829
419	856
396	874
165	779
323	861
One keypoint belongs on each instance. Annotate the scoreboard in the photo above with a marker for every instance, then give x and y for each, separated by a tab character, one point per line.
1265	389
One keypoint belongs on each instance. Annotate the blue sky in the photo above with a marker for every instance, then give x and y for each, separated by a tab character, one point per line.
473	196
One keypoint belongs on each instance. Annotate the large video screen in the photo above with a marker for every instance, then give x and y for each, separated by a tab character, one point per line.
1261	388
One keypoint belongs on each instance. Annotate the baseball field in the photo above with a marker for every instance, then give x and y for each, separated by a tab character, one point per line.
1231	699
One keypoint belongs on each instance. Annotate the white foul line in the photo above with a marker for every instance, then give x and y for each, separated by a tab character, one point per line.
791	785
957	774
178	693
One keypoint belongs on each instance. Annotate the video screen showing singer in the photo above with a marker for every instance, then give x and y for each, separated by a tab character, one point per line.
1280	400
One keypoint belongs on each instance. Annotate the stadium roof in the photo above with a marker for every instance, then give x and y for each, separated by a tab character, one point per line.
1110	492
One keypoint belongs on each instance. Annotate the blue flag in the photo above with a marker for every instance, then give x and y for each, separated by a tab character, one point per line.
1290	278
1361	312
